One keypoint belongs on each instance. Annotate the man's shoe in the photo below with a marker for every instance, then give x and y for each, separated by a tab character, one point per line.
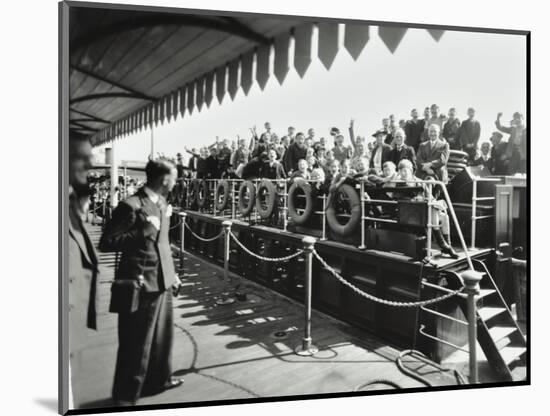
124	403
173	383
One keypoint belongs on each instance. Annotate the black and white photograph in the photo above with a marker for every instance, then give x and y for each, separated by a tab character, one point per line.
269	207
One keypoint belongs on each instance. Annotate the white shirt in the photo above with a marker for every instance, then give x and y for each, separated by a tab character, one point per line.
378	158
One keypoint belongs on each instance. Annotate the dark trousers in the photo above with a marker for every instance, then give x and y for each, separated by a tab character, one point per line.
144	357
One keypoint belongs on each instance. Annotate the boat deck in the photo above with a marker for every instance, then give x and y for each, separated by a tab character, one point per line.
233	351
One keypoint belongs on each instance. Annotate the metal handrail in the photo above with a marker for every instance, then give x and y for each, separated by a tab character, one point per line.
442	315
450	344
430	225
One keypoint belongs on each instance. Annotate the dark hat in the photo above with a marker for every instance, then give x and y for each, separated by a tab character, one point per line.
335	130
379	132
498	134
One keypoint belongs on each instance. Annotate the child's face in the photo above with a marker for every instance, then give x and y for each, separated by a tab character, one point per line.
485	148
302	166
334	168
387	170
360	166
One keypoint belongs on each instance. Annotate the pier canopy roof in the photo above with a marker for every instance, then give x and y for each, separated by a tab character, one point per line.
131	69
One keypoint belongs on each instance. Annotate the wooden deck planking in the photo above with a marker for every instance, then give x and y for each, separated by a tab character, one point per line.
229	352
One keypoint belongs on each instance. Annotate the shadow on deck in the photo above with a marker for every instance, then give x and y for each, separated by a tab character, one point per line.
245	349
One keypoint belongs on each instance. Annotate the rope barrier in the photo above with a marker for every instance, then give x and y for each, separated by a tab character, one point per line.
206	240
383	301
276	259
176	226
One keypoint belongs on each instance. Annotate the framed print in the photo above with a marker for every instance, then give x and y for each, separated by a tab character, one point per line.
267	207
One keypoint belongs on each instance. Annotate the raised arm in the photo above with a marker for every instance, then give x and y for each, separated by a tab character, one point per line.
500	127
352	133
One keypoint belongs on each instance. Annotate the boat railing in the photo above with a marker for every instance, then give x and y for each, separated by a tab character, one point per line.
475	200
283	187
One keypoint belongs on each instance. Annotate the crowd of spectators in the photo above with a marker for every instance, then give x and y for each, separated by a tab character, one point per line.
424	142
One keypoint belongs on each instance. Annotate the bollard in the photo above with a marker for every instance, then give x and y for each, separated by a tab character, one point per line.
225	299
471	282
183	216
307	348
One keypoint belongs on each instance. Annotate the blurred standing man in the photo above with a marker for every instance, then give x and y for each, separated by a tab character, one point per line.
83	265
499	165
468	134
450	130
139	230
516	151
267	134
295	152
413	130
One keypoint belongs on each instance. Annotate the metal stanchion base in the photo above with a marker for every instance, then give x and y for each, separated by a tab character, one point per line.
308	351
225	300
362	247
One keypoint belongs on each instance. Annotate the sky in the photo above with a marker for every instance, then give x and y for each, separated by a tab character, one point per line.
481	70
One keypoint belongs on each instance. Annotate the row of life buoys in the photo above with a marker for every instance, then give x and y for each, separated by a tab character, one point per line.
264	198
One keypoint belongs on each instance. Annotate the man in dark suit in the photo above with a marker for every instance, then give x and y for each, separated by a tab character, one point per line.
433	156
83	265
499	165
401	151
413	130
468	134
139	230
380	154
484	158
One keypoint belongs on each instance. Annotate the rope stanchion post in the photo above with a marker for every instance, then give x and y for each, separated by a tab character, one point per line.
285	206
324	219
307	348
183	216
233	199
225	299
362	199
429	226
471	288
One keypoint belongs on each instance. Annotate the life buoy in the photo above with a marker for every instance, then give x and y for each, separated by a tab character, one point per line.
344	230
266	206
456	165
222	195
246	207
202	194
306	188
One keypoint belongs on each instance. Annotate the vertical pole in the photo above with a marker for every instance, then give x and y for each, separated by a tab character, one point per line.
429	233
324	218
307	348
152	155
114	178
285	204
125	183
215	182
471	282
225	299
474	213
183	216
362	199
233	199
